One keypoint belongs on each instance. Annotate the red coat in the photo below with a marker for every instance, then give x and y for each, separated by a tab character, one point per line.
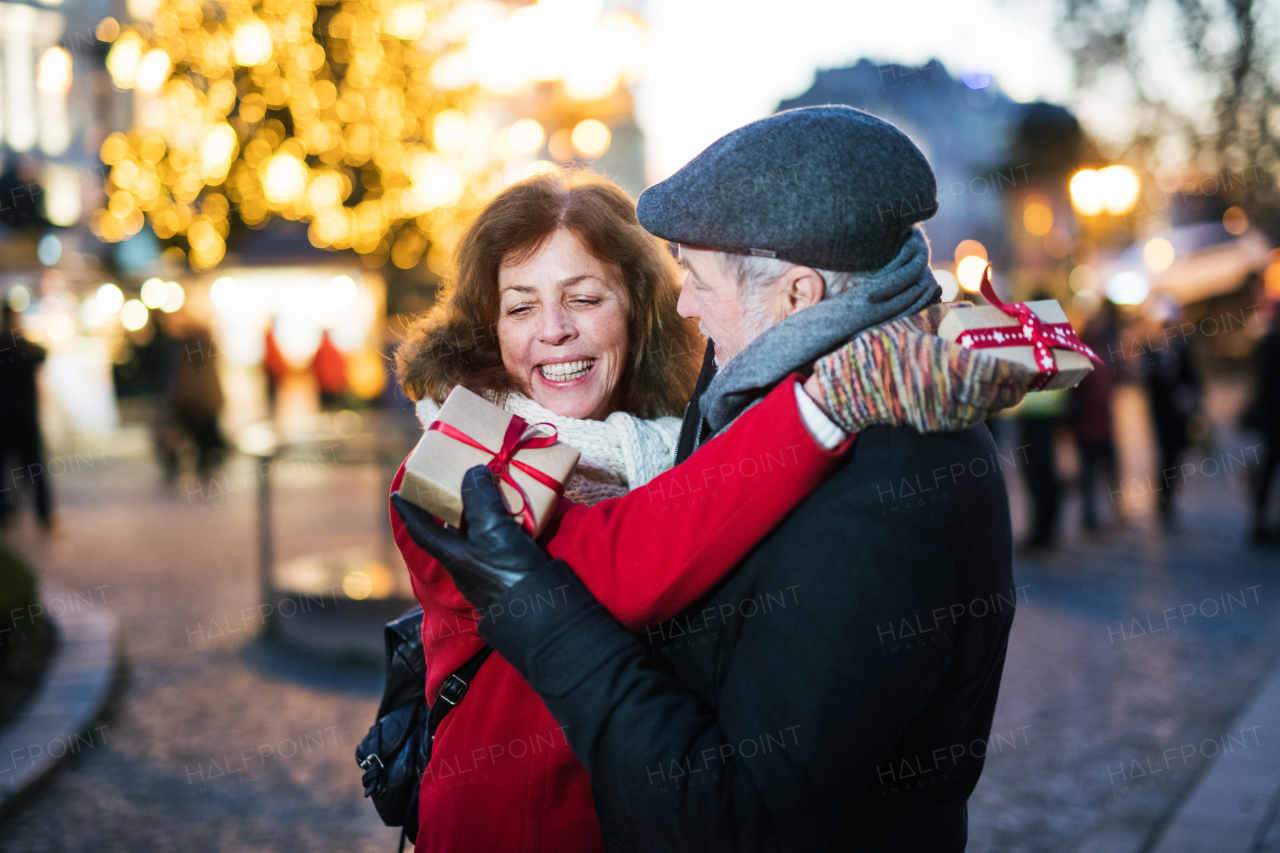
502	778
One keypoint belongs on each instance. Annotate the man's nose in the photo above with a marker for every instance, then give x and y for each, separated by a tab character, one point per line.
557	326
687	304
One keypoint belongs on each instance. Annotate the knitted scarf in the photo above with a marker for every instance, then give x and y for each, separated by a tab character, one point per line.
903	286
619	453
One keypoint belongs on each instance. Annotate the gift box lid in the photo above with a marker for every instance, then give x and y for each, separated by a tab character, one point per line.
964	316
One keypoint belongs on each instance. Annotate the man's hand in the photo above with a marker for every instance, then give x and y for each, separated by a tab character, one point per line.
813	388
493	556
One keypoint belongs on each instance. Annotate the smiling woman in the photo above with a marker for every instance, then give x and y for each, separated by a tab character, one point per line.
562	297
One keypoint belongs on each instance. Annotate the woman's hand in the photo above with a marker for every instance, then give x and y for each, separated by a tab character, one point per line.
494	555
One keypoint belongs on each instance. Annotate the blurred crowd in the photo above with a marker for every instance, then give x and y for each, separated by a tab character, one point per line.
1149	350
1153	352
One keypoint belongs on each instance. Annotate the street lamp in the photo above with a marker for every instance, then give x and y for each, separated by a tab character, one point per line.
1113	189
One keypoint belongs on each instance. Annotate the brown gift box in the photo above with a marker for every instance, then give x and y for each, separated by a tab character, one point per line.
433	472
963	317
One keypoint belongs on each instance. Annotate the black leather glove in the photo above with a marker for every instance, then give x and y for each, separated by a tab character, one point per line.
492	556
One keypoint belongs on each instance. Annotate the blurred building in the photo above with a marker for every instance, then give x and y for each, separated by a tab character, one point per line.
1002	167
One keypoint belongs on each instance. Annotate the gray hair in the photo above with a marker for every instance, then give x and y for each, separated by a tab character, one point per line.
754	275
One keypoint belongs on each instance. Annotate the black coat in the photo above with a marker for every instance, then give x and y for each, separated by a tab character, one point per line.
835	692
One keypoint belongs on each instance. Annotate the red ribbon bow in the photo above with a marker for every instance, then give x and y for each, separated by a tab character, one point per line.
1042	336
513	442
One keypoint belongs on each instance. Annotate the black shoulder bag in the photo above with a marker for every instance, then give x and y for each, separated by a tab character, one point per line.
395	752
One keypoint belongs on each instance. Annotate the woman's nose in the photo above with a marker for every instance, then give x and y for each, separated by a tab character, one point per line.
557	326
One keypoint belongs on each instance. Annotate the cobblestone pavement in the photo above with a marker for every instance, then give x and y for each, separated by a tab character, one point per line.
233	745
1124	646
223	744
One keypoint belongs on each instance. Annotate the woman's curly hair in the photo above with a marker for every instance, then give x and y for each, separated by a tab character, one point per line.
456	343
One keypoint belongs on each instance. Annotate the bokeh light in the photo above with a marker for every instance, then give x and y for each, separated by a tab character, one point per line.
1235	220
109	298
153	70
49	250
252	43
53	72
1083	279
1128	288
969	272
224	293
133	315
18	297
1157	254
342	291
525	136
1037	218
591	137
357	585
1271	278
153	293
1086	192
174	297
1119	189
948	282
965	248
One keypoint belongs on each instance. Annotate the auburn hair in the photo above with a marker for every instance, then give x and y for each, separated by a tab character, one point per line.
456	343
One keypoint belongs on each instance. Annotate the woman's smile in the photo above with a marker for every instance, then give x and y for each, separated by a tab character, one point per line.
561	373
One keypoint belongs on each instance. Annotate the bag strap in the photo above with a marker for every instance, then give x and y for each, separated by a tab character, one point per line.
454	688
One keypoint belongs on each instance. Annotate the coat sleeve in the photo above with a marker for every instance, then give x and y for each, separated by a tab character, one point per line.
651	553
809	707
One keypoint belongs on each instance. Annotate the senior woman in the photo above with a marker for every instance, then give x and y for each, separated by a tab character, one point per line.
563	310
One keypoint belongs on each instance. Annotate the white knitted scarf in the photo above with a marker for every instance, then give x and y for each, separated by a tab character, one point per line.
619	453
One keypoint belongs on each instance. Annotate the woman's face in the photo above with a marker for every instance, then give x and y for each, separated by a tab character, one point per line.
562	327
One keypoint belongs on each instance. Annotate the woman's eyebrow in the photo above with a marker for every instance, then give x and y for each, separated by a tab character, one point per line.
578	279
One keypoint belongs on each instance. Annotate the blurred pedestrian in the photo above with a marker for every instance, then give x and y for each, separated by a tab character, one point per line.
1263	414
1090	415
330	370
20	441
1039	417
274	366
1173	385
193	398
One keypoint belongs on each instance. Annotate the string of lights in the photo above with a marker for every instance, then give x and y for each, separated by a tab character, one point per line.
364	118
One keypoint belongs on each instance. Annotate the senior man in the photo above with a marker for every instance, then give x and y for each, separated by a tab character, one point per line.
836	690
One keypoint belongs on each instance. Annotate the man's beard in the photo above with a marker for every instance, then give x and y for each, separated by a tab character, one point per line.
707	335
755	320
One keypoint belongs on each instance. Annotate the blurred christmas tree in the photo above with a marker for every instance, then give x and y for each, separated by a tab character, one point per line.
332	113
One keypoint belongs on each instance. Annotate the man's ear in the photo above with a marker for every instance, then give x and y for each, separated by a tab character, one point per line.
800	288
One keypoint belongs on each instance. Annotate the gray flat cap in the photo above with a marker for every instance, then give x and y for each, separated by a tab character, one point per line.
828	187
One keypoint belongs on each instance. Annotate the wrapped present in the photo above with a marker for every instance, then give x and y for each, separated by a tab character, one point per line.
527	462
1034	334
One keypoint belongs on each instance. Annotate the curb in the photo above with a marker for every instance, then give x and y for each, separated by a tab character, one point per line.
70	696
1235	801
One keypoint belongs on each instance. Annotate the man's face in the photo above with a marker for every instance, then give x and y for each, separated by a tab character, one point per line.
710	296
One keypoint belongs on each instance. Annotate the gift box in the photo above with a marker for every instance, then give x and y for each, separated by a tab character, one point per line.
528	464
1033	334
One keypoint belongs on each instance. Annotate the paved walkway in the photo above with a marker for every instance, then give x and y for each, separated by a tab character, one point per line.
216	742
